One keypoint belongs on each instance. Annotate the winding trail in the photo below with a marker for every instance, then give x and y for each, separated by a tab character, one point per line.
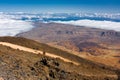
14	46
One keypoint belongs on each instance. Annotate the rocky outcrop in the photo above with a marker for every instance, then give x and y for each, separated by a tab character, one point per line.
110	34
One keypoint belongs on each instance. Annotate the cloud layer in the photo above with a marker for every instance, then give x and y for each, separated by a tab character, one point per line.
10	27
108	25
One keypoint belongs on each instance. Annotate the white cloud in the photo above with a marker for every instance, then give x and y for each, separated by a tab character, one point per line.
108	25
10	27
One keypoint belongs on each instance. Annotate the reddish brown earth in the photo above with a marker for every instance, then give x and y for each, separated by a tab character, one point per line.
98	45
19	60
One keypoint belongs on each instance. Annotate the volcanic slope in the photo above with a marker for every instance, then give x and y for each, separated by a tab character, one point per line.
17	64
98	45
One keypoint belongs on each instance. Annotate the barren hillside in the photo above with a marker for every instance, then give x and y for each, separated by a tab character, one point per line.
19	64
98	45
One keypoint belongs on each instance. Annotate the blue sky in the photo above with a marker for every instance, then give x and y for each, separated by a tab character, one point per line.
60	6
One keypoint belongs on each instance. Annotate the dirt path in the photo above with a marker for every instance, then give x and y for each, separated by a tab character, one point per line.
14	46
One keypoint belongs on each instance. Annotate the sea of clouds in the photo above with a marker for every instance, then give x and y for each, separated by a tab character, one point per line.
10	27
107	25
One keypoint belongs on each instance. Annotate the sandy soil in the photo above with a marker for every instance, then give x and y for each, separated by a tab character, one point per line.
14	46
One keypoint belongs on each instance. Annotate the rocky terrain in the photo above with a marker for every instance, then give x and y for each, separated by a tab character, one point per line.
91	43
16	64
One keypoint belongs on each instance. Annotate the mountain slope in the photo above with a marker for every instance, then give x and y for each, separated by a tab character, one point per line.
22	65
98	45
36	51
